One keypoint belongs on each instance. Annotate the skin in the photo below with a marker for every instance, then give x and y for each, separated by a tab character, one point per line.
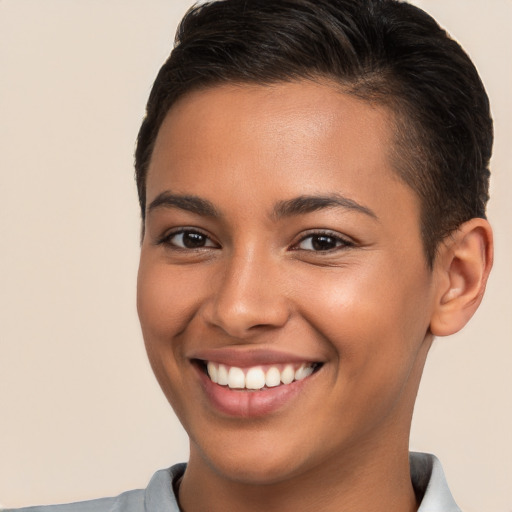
366	306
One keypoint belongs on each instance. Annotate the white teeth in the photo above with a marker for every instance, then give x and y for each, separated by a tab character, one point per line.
255	378
288	374
273	377
212	372
222	375
236	378
303	372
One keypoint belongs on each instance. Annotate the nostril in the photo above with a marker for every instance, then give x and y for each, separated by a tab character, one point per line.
247	319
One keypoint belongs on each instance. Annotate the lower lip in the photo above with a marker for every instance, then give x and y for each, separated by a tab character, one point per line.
250	403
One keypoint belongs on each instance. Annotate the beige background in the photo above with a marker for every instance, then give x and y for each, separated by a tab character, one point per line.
80	413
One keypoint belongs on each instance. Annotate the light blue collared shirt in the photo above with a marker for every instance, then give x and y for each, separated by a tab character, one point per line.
426	474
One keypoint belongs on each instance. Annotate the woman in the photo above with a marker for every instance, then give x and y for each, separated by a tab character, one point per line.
313	179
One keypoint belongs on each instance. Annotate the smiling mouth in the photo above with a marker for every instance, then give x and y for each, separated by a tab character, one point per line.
257	377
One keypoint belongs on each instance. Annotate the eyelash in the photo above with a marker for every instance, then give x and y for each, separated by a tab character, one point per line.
340	243
167	239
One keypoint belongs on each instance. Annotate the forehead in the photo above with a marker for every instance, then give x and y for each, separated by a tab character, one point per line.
302	108
300	137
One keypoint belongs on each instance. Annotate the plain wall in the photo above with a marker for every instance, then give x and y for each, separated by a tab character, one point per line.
81	415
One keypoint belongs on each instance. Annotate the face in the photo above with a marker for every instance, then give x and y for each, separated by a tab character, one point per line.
283	291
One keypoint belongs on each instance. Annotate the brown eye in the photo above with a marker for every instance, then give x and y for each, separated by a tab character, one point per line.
322	242
189	240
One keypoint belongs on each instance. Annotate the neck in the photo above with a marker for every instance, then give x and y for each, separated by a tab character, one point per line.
370	481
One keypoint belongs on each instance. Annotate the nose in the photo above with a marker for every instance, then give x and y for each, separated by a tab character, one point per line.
248	296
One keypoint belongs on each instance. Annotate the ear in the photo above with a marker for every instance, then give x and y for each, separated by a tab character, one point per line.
462	266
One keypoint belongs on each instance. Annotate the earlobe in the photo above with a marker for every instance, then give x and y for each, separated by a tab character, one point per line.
462	266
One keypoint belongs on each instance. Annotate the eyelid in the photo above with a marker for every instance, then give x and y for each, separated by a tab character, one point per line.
165	239
346	242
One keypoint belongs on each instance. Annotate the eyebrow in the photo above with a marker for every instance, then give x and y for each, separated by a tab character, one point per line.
306	204
301	205
189	203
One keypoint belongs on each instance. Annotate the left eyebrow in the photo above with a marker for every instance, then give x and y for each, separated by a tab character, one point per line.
306	204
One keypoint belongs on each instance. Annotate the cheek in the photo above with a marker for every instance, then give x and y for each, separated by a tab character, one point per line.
166	299
370	316
162	313
375	329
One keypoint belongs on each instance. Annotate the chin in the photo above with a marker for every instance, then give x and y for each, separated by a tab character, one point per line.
253	461
257	472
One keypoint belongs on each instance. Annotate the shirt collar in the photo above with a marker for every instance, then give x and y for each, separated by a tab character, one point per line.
428	479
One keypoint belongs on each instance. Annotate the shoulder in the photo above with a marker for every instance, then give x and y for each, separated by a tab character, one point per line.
131	501
158	495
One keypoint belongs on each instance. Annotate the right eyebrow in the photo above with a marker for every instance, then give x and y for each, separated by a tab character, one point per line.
189	203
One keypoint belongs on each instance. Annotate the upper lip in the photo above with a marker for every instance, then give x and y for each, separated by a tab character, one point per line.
246	357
